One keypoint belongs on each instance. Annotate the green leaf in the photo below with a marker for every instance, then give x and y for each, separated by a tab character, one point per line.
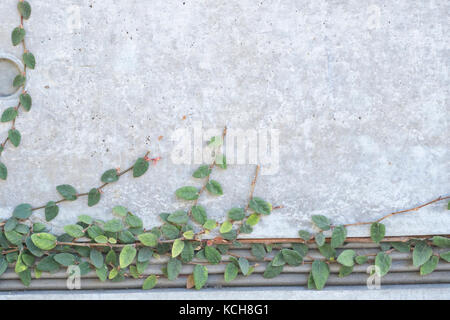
383	262
245	228
272	271
51	211
221	161
14	237
278	260
253	219
120	211
177	247
74	230
25	277
22	211
401	246
441	242
144	254
3	171
338	237
22	228
236	214
421	253
202	172
3	265
28	259
101	239
148	239
258	251
29	60
345	271
320	239
200	276
65	259
210	224
25	101
39	227
301	248
127	256
227	226
17	36
305	235
321	222
260	206
429	266
110	176
111	257
178	217
327	251
114	225
230	235
10	224
445	256
214	187
48	264
231	272
188	234
133	221
33	248
44	241
361	259
96	258
188	252
320	273
244	266
170	231
67	192
140	167
311	284
377	232
150	282
19	81
199	214
15	137
20	266
24	9
93	197
9	114
102	272
346	258
187	193
212	255
292	257
173	268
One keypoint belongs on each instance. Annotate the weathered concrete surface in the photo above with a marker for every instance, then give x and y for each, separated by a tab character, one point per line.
358	90
413	292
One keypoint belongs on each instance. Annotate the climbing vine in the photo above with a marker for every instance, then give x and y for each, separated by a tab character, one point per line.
122	247
10	114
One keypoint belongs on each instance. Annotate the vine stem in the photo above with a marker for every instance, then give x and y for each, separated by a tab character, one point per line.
211	166
440	198
13	123
252	187
98	188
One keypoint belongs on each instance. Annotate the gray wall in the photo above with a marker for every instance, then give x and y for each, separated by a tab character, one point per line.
357	90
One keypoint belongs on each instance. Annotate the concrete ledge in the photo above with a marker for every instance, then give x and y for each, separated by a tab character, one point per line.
409	292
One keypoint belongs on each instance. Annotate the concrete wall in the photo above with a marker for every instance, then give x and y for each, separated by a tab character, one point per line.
358	92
